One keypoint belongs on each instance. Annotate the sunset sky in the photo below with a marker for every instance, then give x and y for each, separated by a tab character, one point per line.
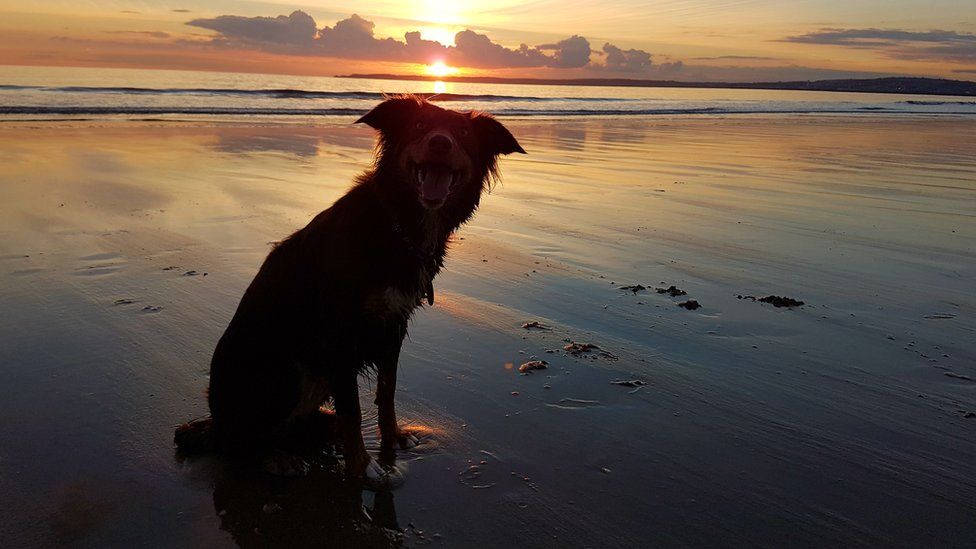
733	40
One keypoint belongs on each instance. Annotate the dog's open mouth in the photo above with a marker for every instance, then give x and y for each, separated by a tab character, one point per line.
434	181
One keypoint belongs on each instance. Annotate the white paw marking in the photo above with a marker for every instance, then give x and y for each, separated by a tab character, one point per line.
374	471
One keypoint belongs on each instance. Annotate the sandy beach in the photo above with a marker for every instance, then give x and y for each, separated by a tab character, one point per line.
847	421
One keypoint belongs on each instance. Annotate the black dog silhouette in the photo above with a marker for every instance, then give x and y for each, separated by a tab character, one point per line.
333	299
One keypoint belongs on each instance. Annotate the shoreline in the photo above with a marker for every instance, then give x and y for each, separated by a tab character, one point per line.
271	120
916	85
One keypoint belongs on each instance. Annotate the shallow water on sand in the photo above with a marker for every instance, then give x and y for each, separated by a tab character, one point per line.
124	248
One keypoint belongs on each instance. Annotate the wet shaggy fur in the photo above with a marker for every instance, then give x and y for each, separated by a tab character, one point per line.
333	300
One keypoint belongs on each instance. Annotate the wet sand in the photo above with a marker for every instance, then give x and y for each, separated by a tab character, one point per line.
125	246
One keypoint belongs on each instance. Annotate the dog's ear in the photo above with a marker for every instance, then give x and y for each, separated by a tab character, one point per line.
492	135
391	114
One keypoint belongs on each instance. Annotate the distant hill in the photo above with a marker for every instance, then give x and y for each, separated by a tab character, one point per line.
906	85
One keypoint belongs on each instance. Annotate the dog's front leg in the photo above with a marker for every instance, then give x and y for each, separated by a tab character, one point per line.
345	391
385	392
391	434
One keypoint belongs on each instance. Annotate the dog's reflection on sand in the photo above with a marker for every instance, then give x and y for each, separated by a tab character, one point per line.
319	504
318	509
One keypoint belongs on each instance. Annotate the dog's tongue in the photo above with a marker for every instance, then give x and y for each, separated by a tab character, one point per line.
434	183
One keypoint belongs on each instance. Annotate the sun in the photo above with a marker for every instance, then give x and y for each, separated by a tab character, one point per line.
440	69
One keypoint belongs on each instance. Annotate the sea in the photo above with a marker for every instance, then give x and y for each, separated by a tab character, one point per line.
60	92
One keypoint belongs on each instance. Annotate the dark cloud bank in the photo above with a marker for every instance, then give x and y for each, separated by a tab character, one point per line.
353	38
933	45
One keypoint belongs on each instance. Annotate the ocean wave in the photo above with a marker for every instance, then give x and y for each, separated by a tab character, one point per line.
938	103
125	110
262	111
288	93
341	111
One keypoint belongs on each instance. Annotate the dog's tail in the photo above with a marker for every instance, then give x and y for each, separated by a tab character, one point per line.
195	437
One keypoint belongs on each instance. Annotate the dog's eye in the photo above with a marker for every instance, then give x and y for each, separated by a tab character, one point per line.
421	125
464	132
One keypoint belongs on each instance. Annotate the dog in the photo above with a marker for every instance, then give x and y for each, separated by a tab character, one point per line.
332	301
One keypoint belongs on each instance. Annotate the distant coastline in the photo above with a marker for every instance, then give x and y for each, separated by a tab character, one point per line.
898	85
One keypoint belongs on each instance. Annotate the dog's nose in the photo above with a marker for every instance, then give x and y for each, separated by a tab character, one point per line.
439	143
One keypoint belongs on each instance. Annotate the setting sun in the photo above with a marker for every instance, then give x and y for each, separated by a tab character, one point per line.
440	69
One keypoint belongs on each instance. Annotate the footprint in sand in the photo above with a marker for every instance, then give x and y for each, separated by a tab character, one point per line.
26	272
102	264
574	404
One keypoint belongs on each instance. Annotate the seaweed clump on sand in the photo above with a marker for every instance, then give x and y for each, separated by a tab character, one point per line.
533	365
777	301
774	300
582	349
672	291
691	305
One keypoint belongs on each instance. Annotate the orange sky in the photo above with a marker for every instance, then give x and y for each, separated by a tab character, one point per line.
663	39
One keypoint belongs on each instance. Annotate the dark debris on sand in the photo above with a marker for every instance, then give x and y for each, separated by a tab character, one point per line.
583	349
535	324
533	365
672	291
691	305
774	300
635	288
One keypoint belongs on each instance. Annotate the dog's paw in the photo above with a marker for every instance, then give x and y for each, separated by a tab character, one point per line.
281	464
407	438
380	479
412	436
373	471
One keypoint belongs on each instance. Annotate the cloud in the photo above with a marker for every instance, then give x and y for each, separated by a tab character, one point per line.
878	37
477	50
573	52
148	34
425	49
295	29
736	58
933	45
965	71
625	60
354	38
962	53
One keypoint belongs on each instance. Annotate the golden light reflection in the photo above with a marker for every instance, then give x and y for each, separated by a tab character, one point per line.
440	69
440	87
